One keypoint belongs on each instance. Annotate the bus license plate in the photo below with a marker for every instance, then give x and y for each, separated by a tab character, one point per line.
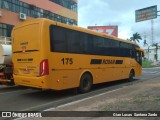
26	71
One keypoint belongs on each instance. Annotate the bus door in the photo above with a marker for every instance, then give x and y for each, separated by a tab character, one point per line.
138	56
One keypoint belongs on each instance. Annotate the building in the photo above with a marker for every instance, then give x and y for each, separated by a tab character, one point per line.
109	30
150	53
13	12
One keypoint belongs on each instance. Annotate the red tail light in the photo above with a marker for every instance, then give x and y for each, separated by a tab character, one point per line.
44	68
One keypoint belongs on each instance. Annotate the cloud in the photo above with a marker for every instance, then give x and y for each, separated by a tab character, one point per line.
118	12
91	14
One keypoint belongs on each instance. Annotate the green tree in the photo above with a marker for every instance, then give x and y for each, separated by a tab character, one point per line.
128	39
136	37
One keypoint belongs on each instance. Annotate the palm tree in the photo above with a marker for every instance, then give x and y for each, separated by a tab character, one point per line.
136	37
128	39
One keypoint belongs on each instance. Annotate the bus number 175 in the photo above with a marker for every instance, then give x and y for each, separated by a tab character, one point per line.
67	61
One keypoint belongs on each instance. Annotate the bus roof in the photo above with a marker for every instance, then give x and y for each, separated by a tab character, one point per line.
140	49
77	28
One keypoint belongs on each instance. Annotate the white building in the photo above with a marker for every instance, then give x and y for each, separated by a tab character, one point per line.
150	53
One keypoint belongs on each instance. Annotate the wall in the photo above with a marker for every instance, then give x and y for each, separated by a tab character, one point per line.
53	7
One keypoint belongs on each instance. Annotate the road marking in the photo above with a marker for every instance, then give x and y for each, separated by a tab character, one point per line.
150	72
74	102
5	86
151	68
13	91
68	103
158	73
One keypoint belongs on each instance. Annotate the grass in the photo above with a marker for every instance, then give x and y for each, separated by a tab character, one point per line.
147	64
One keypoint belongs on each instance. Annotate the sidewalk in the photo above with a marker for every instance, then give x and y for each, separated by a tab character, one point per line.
141	96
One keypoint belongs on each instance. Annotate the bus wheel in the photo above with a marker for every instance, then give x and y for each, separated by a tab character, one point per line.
85	83
131	75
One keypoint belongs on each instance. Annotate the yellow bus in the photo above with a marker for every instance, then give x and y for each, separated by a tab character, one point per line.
52	55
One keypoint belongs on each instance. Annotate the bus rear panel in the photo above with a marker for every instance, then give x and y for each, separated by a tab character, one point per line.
29	67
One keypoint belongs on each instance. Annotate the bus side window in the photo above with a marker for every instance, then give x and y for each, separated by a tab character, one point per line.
74	42
85	42
142	54
131	53
58	39
139	57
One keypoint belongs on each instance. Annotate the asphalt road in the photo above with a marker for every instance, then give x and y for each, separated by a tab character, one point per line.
25	99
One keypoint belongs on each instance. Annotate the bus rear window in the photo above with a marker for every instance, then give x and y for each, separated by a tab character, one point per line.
27	38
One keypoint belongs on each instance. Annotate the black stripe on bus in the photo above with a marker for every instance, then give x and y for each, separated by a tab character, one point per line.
96	61
18	59
119	61
29	59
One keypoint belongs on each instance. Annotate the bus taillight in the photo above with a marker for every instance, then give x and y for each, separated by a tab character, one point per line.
44	68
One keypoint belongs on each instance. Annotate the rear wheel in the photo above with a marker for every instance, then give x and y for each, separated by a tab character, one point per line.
131	75
85	83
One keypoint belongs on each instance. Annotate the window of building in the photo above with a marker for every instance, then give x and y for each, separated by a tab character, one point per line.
70	4
1	3
35	12
5	30
6	5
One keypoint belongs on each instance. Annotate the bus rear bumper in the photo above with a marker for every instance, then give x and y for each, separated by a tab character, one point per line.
33	82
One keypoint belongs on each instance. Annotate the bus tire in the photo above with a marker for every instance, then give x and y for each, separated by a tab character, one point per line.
131	75
86	82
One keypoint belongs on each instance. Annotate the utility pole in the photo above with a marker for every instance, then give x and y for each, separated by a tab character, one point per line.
152	32
156	49
145	42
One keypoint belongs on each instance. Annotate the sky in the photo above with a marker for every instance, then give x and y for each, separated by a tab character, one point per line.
121	13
